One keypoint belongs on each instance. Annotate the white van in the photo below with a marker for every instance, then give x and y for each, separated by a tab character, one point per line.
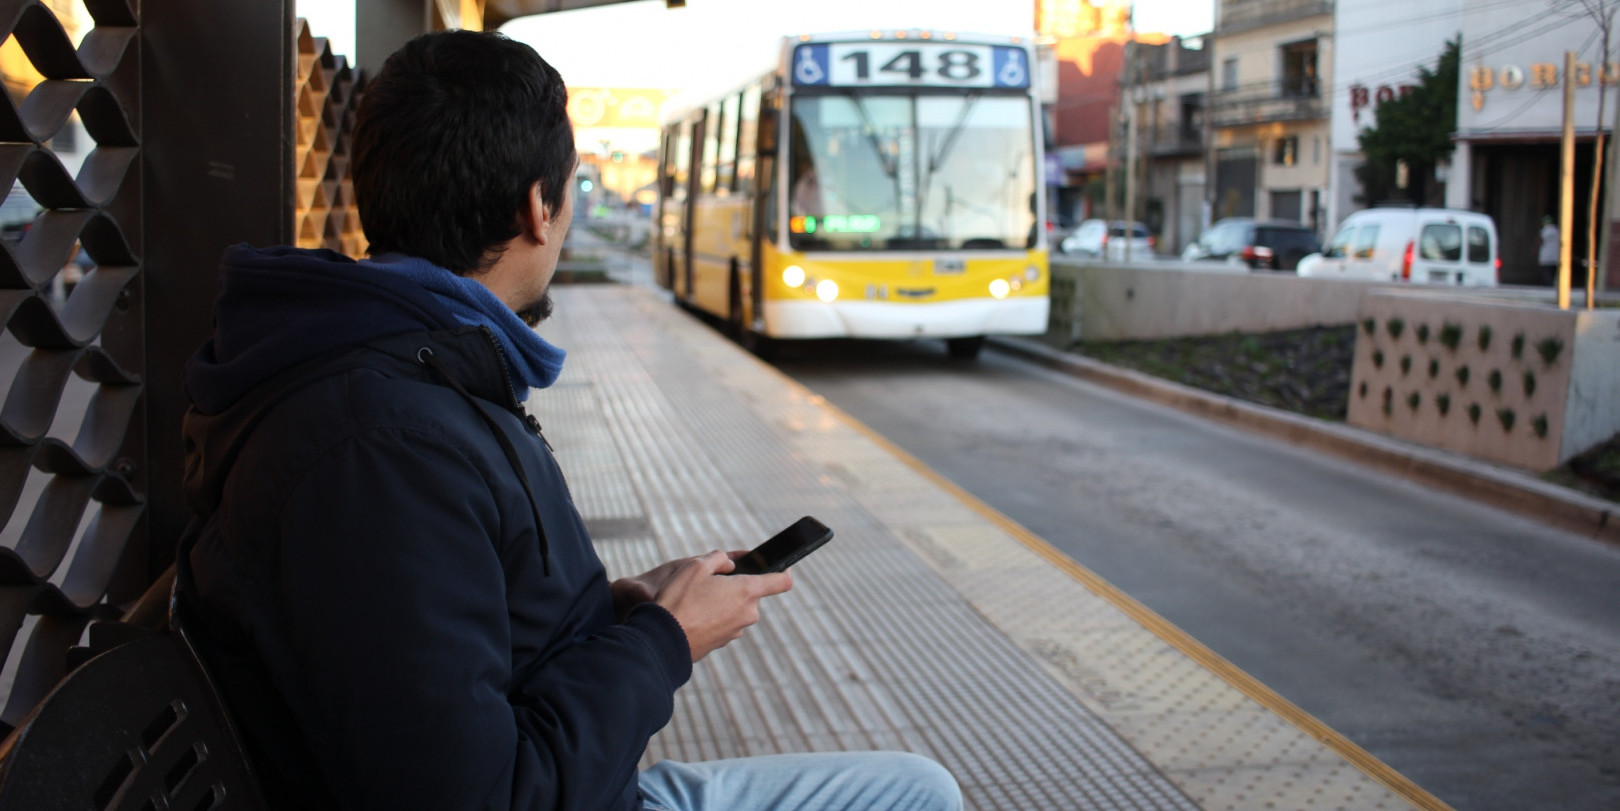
1424	245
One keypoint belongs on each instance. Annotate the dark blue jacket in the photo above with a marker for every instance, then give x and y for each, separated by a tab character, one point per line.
391	626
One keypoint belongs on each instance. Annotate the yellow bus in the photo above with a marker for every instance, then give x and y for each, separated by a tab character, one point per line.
882	184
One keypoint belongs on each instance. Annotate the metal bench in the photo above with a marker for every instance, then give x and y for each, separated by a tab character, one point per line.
137	724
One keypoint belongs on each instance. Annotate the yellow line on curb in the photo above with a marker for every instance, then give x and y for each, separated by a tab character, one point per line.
1165	630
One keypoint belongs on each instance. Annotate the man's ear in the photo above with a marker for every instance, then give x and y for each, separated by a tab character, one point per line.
536	216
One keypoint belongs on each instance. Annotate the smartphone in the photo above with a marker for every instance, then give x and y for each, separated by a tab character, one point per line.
785	548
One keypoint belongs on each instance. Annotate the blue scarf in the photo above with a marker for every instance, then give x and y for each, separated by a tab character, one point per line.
532	362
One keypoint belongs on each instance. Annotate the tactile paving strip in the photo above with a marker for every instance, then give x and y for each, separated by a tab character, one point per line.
923	626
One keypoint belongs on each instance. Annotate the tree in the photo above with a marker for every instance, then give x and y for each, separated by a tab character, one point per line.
1414	128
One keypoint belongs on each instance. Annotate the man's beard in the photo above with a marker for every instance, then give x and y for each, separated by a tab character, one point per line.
537	311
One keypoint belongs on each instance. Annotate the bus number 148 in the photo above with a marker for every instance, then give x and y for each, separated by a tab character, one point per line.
957	66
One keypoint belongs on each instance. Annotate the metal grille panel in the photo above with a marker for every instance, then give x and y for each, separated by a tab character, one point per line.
71	357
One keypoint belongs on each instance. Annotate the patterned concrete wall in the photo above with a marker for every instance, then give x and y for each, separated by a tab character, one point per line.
328	91
1487	378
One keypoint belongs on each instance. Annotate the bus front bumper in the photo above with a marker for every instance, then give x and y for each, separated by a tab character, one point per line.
871	319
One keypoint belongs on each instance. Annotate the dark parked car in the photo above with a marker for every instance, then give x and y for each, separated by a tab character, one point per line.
1260	244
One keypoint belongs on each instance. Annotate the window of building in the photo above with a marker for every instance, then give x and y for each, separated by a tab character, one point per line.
1229	73
1287	205
1286	151
1299	69
1192	117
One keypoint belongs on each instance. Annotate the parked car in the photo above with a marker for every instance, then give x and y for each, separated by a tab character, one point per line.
1058	227
1101	239
1426	245
1260	244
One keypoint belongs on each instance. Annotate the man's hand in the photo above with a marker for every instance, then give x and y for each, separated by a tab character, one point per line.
713	610
629	592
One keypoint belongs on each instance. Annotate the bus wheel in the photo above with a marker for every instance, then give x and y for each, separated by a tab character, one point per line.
764	347
964	348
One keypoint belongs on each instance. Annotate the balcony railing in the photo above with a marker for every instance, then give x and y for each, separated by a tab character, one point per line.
1170	143
1281	100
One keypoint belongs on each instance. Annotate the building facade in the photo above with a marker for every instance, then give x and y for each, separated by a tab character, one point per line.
1510	111
1270	67
1087	41
1377	56
1166	90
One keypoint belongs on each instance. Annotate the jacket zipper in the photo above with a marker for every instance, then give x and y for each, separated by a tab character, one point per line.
512	400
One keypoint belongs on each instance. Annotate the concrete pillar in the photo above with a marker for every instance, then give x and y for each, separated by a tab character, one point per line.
1460	181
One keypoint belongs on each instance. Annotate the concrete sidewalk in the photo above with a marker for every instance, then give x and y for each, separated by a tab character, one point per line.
931	623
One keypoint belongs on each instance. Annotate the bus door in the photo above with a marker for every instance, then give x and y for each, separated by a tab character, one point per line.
694	159
765	206
666	222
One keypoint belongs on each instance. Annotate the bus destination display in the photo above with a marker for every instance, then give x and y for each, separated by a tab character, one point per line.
836	224
910	63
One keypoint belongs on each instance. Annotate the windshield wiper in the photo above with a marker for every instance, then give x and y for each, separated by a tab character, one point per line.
955	132
946	146
890	164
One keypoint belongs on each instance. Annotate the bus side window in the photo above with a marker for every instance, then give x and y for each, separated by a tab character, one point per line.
683	161
711	149
769	109
770	104
747	139
725	176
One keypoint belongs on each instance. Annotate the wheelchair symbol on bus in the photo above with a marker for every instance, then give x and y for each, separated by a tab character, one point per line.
808	67
1011	73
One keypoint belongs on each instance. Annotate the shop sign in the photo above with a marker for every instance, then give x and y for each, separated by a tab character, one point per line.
1483	79
1362	97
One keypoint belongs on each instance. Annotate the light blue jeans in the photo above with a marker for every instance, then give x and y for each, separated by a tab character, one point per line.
826	781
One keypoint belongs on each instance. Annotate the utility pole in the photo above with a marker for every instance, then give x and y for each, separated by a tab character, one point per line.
1566	182
1598	246
1110	167
1132	92
1612	210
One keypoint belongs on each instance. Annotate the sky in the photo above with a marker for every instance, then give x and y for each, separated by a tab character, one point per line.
643	44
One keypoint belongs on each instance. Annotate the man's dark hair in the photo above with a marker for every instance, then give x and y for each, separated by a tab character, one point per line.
450	136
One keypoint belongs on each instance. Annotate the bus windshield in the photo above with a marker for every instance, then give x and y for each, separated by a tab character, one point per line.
909	172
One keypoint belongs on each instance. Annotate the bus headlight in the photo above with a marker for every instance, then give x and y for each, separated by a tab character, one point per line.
826	290
793	276
1000	288
1032	273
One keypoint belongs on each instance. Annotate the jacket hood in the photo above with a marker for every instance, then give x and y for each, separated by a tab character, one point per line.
279	307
